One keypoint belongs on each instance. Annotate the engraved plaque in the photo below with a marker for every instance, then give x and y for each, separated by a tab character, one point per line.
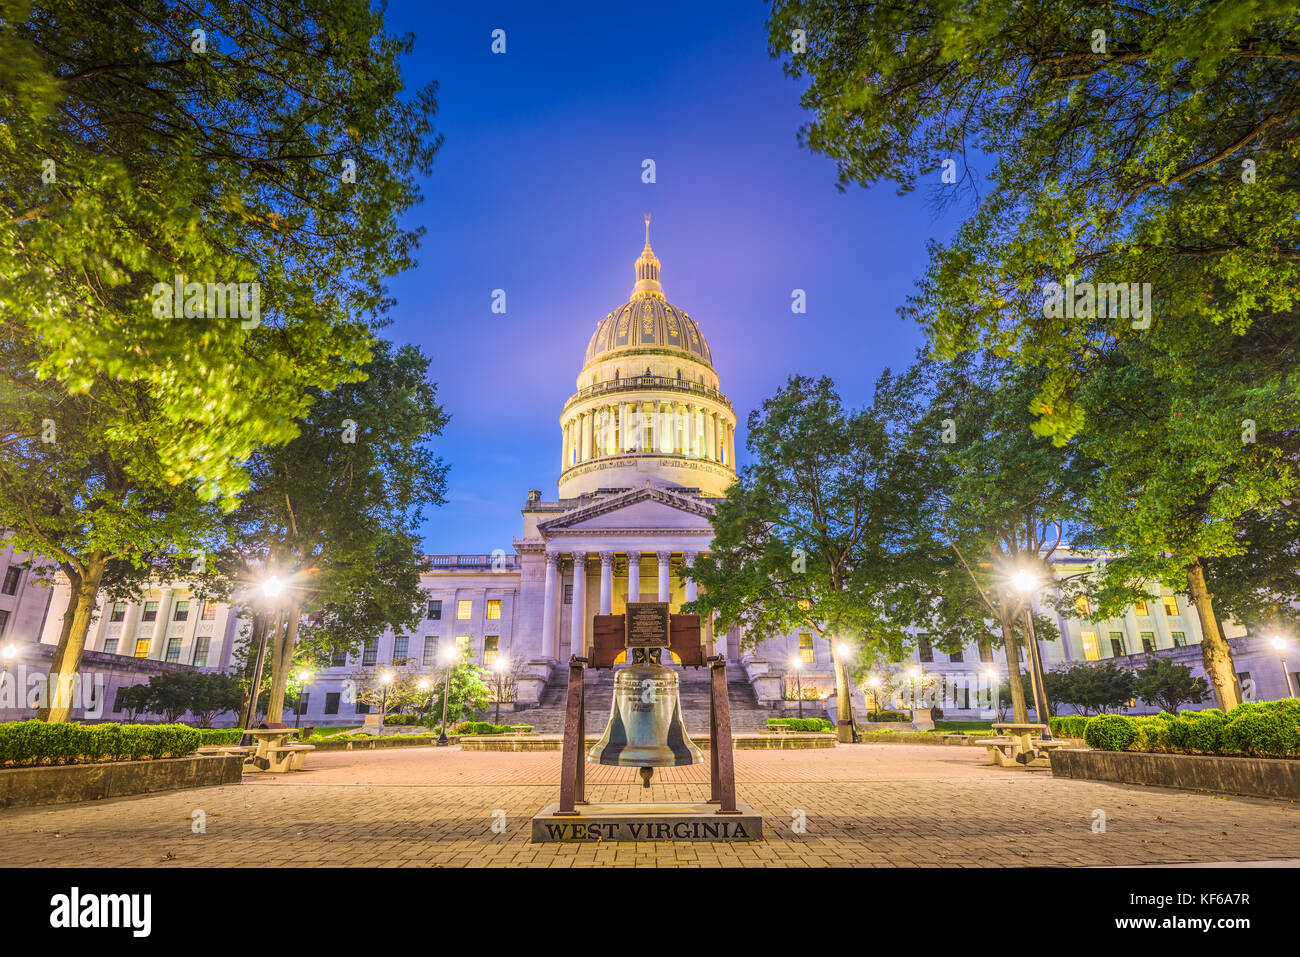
647	624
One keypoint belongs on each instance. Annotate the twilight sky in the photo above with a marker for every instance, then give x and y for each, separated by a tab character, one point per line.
537	190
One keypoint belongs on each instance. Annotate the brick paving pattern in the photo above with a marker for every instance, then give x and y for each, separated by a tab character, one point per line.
865	805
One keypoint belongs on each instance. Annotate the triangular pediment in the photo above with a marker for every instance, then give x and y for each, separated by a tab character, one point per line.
645	507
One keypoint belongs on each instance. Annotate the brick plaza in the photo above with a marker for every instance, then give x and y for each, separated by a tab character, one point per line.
864	805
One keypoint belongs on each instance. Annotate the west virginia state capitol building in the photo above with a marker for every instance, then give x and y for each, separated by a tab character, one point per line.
647	448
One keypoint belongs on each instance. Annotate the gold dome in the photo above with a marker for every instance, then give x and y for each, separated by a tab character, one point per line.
648	322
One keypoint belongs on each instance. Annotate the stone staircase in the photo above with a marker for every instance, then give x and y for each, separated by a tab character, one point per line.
547	717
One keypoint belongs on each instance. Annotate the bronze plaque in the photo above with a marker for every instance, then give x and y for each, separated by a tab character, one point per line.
647	624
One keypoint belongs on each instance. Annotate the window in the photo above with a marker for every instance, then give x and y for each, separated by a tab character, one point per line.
430	651
923	650
110	645
331	702
1140	608
119	611
173	649
201	645
4	620
1180	639
142	648
1117	643
400	646
434	611
363	708
338	659
150	611
117	700
986	651
1090	649
10	586
182	611
304	700
955	656
1082	607
490	649
1171	606
568	594
494	609
1148	641
371	653
464	608
806	654
209	611
1247	686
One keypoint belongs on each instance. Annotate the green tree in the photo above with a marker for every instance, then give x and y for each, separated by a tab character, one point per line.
135	700
805	539
335	514
1168	684
142	148
467	697
1097	687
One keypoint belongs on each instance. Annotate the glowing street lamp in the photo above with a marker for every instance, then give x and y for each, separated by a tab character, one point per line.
270	588
1025	582
873	682
1279	645
385	679
796	662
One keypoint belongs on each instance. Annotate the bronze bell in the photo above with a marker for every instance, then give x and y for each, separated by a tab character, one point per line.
645	727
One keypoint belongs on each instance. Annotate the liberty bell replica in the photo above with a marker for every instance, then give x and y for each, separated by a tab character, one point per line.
645	727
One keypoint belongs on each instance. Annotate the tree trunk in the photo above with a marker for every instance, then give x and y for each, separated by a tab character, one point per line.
1215	653
72	641
281	661
1019	713
843	703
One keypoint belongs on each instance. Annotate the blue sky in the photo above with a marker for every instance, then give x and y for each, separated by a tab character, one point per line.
537	190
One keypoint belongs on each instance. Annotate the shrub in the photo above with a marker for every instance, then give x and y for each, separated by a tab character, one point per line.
1110	732
401	720
888	716
1263	729
1068	726
1198	731
482	727
25	743
1153	734
214	736
800	724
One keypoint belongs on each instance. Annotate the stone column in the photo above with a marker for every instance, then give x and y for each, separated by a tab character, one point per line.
633	576
565	435
550	644
577	633
652	433
158	643
606	582
665	583
622	428
692	589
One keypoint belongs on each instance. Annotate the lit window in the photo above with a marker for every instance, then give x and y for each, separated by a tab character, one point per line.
806	649
150	611
1090	649
489	649
119	611
1171	606
209	611
1082	607
1140	608
142	648
463	609
494	609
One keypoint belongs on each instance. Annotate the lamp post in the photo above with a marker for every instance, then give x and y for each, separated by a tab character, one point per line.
425	685
1026	584
450	658
271	588
845	653
1279	644
385	679
500	667
873	683
797	663
304	676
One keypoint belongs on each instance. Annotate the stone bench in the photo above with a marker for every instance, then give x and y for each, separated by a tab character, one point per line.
288	757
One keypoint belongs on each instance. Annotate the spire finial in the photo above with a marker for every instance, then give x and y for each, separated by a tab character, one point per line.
647	269
647	230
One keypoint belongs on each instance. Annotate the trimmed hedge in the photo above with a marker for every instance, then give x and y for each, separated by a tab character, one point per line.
482	727
401	720
800	724
209	737
25	743
889	716
1068	727
1269	729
